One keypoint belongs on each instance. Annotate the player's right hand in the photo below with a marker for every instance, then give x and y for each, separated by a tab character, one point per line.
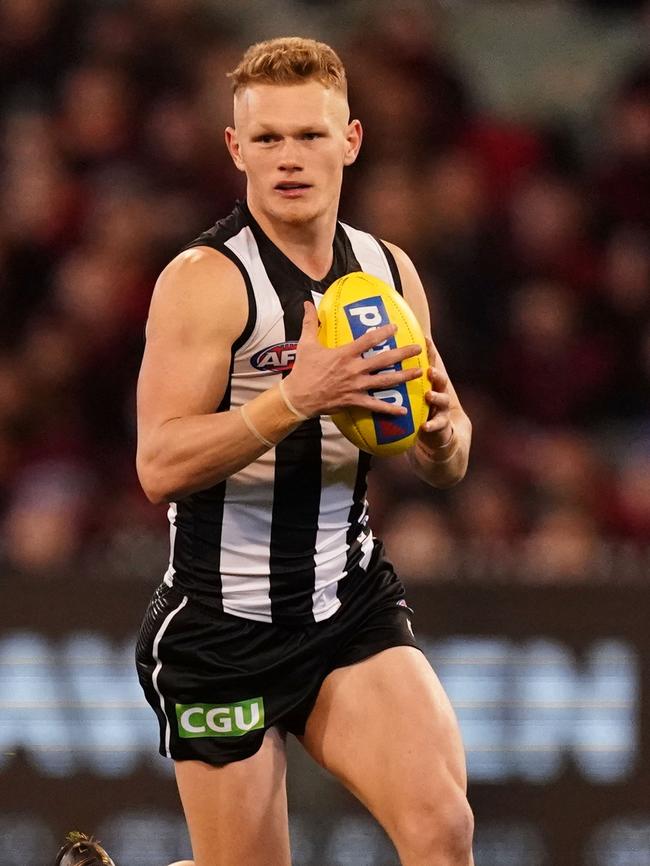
324	381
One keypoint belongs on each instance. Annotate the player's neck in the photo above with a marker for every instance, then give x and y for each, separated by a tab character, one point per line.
308	245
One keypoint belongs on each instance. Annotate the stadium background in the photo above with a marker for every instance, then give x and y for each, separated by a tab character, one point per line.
508	150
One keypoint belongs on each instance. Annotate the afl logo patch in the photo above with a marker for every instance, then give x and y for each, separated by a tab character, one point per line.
277	358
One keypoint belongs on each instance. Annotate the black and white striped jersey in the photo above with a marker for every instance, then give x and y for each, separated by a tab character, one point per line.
276	541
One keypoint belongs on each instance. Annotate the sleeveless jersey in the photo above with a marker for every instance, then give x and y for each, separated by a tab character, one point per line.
277	541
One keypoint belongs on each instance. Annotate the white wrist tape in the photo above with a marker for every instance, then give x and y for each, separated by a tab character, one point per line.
253	429
289	404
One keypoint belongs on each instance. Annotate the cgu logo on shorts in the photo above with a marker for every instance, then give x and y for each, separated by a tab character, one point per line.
363	316
220	720
277	358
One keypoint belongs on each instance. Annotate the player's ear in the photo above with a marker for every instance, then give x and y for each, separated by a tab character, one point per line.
232	144
353	138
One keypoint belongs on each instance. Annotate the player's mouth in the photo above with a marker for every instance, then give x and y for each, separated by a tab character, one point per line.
291	189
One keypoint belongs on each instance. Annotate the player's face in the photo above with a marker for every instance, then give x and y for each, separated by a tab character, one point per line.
293	142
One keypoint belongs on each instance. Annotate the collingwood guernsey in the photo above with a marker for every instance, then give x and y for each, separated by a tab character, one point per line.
280	540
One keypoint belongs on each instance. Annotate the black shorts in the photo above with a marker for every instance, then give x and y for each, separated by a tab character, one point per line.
216	682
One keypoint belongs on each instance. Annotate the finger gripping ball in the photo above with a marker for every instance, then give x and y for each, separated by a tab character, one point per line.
352	306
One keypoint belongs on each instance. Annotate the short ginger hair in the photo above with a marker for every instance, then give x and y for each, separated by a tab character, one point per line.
289	60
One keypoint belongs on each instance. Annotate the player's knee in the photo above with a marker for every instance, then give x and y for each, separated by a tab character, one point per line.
460	832
439	833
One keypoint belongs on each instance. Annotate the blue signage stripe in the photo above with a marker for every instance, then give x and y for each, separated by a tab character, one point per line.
362	316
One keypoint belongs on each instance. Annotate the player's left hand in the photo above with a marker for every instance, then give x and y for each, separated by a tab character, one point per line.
437	430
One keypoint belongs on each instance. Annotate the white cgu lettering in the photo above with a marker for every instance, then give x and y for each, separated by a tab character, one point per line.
236	718
218	720
241	723
186	720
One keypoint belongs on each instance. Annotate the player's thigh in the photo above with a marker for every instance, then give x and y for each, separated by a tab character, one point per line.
237	813
386	729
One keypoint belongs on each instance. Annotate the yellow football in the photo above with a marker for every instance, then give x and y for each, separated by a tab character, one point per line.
351	306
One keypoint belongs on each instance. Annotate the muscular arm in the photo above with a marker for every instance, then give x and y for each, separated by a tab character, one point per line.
441	453
198	310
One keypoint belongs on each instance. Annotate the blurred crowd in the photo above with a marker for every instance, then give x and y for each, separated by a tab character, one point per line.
533	248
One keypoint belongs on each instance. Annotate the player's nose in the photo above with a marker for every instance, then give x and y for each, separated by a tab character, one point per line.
289	157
